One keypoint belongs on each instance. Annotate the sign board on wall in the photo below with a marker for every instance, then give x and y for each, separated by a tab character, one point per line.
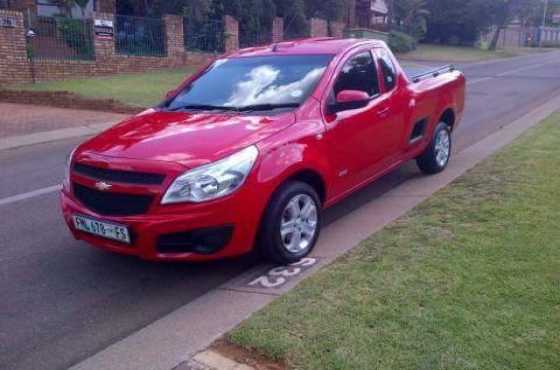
104	29
8	21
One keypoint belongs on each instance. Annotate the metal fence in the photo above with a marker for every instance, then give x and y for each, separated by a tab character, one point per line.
249	38
207	36
60	38
140	36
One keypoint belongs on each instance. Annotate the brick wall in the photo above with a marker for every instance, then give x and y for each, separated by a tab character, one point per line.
318	27
277	29
14	66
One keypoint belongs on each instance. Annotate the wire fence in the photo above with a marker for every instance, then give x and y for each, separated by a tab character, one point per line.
207	36
140	36
60	38
296	29
254	37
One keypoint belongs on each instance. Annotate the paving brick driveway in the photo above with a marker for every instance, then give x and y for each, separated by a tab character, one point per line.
20	119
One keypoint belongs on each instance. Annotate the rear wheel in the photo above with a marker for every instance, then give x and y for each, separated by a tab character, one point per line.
436	156
292	223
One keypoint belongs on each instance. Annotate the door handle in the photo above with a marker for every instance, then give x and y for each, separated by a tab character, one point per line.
384	112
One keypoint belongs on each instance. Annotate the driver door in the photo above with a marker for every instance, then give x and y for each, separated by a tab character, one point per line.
355	137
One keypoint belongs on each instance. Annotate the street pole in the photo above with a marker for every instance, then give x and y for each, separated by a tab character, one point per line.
541	36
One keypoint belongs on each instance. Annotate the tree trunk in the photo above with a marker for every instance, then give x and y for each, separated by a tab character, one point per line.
495	38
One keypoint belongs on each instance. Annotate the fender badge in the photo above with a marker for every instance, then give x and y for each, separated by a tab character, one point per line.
102	185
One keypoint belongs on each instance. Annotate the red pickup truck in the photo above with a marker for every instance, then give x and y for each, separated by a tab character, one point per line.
246	153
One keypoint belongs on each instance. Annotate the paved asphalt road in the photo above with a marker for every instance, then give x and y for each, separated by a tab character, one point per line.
62	301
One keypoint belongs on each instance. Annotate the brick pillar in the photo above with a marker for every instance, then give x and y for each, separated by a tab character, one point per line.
107	6
278	29
175	39
14	65
105	49
231	33
336	29
350	13
318	28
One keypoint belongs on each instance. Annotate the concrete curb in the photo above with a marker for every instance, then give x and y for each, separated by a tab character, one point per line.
211	360
54	135
172	341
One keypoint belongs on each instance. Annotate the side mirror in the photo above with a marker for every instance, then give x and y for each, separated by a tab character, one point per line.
349	99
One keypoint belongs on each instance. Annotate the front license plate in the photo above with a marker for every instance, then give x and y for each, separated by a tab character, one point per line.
103	229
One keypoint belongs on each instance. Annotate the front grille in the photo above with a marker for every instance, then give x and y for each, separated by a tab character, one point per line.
126	177
112	204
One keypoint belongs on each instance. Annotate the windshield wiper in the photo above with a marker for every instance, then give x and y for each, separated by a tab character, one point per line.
261	107
201	107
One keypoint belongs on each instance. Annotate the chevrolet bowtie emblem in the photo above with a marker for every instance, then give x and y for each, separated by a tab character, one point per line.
102	185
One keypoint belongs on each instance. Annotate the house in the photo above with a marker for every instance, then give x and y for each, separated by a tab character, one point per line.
556	18
372	14
49	8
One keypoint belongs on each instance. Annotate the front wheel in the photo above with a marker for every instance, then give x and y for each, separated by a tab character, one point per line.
436	156
291	224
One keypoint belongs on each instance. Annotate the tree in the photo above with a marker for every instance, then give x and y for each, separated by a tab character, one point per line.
295	19
504	11
457	21
67	6
331	10
411	16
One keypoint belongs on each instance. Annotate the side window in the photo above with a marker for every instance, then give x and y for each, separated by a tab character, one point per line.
359	73
388	69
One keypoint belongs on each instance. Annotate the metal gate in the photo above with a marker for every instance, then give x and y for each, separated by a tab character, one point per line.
59	38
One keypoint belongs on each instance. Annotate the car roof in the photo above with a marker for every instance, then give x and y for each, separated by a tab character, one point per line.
324	45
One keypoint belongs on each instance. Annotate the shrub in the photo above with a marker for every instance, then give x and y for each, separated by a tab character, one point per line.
77	35
400	42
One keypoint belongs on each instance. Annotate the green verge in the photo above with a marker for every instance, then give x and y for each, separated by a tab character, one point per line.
458	54
469	279
140	89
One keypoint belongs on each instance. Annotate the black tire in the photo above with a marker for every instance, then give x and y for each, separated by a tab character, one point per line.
428	160
269	241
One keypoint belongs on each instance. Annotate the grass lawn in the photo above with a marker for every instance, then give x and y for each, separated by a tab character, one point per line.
469	279
456	54
141	89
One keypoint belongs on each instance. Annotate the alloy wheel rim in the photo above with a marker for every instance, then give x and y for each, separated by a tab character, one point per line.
298	224
442	147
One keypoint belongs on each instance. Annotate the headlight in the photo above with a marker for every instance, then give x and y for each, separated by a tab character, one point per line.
213	180
68	166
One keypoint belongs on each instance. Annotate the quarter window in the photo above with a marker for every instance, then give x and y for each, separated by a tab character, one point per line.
359	73
388	69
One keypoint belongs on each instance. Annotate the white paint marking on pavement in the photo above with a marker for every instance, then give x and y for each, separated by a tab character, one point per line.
29	195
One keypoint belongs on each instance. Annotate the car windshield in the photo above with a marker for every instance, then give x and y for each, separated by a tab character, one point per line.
253	83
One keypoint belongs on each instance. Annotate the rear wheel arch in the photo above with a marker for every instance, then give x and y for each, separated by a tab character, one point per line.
448	117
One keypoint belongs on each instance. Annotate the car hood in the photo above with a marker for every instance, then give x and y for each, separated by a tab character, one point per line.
190	139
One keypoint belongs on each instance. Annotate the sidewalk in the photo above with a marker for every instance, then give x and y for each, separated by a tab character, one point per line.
19	119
